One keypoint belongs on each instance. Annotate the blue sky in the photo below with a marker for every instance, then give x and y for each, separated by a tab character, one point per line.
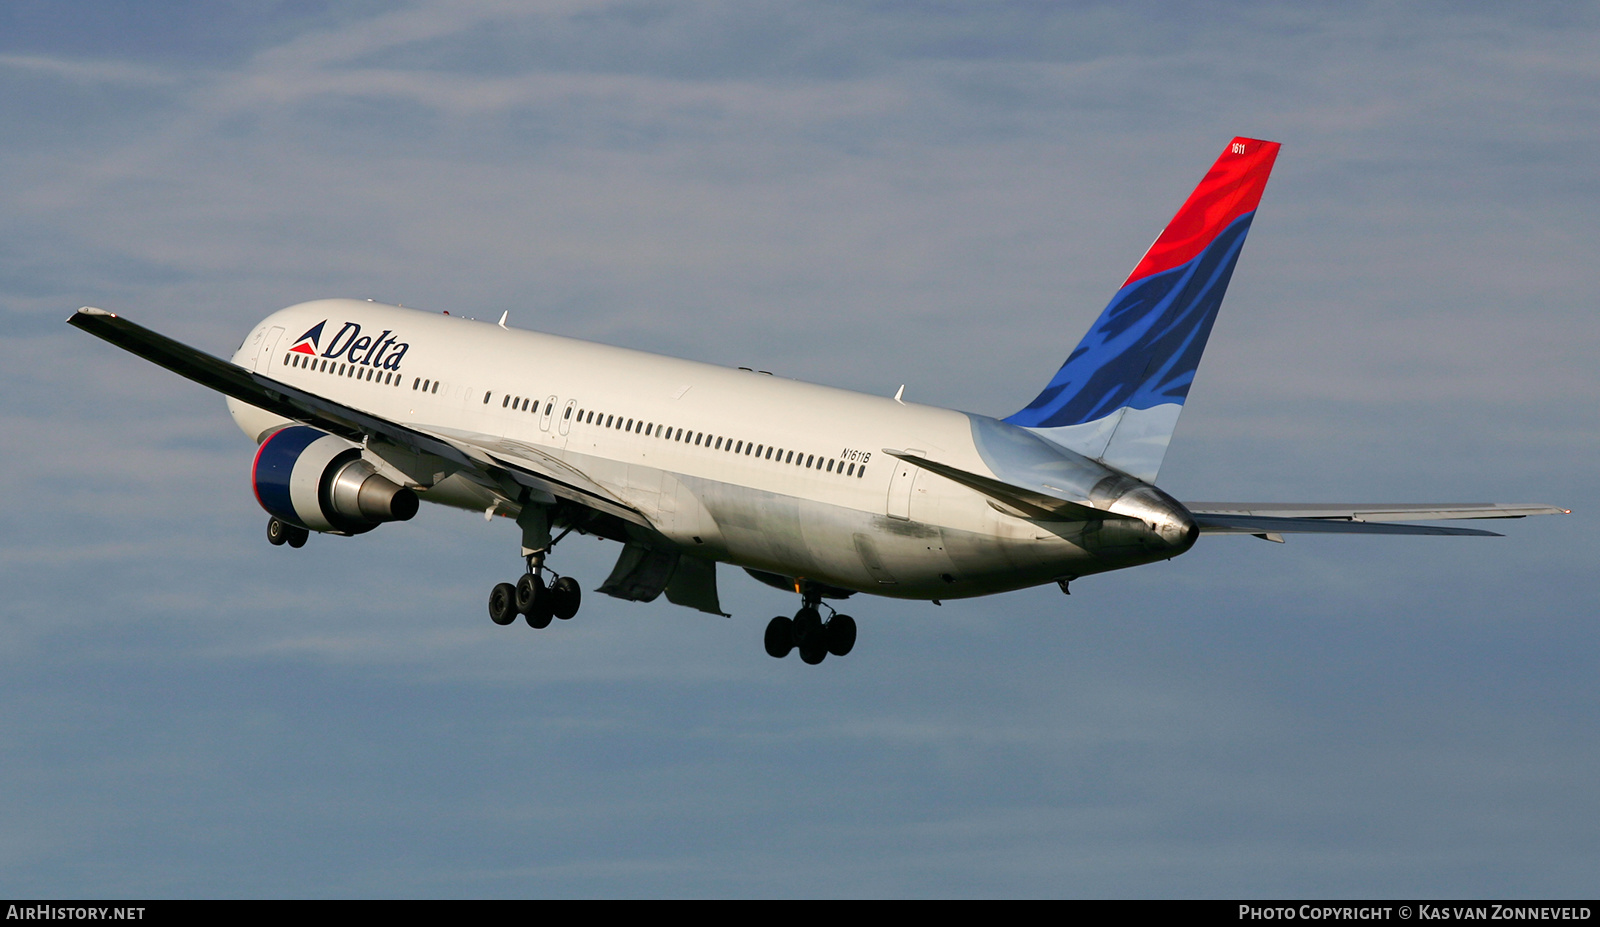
865	195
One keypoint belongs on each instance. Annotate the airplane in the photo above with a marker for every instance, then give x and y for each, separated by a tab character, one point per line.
361	411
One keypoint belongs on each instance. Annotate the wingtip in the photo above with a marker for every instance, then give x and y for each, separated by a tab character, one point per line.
90	310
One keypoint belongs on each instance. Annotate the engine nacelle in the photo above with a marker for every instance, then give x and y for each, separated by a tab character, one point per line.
319	481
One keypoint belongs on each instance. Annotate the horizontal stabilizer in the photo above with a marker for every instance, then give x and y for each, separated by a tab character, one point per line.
1269	525
1034	502
1375	511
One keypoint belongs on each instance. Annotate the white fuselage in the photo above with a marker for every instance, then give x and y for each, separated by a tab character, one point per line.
785	477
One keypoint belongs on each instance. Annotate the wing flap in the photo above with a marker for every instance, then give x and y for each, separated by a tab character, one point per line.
536	469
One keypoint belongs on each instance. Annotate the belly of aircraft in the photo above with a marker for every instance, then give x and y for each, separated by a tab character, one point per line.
873	553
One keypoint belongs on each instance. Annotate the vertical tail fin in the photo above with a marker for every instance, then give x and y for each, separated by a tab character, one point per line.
1118	396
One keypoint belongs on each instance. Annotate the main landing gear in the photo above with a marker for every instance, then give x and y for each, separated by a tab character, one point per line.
533	599
281	532
809	634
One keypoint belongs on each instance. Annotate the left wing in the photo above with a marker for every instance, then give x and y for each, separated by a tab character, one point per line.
499	464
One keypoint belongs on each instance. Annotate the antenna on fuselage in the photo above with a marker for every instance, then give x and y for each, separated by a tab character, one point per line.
503	317
899	393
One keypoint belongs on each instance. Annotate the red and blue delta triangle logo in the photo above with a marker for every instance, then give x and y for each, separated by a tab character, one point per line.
307	343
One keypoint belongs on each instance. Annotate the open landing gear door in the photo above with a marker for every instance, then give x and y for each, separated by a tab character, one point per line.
644	571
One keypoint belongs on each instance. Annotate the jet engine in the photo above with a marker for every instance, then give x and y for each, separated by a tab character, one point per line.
311	479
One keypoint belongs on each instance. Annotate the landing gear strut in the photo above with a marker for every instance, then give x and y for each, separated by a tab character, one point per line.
809	634
532	598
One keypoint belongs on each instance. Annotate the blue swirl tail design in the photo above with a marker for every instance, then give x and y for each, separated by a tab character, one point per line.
1118	395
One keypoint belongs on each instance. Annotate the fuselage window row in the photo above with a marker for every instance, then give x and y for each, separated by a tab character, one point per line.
669	433
322	365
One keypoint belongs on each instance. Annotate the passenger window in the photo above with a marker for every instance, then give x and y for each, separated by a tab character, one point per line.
435	386
486	398
569	413
809	458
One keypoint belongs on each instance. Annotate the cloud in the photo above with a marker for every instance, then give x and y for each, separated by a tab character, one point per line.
87	72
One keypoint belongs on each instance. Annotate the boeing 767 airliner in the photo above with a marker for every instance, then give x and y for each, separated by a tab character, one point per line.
360	410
